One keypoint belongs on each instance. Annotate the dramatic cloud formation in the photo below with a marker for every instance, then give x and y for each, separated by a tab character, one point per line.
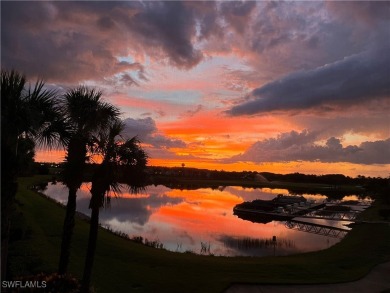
353	80
90	37
356	69
204	80
294	146
169	26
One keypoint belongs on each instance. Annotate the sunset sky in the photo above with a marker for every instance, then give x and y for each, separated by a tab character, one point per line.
263	86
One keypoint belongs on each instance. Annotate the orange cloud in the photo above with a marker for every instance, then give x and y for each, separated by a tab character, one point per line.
209	134
212	122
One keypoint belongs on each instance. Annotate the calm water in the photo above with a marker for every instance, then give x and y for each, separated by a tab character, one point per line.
187	220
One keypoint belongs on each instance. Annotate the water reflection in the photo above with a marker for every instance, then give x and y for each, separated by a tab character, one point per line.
258	247
199	220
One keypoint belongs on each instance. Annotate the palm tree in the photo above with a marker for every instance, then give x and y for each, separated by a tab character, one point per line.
122	161
29	115
87	114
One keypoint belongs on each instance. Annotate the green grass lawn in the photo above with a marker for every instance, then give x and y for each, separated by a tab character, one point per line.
126	266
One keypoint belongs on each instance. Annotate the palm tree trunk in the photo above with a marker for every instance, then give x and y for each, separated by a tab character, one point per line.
9	187
67	232
93	233
7	201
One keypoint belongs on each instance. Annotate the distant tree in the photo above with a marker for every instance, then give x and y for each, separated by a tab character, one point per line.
86	114
121	160
28	114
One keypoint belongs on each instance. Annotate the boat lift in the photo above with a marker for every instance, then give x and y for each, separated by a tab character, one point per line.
349	216
318	229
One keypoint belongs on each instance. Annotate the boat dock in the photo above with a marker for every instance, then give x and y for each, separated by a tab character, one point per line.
287	213
289	207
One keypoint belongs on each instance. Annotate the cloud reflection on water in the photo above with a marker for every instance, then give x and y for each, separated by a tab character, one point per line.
183	219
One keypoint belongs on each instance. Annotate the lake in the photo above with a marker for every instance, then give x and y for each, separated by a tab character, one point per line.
202	220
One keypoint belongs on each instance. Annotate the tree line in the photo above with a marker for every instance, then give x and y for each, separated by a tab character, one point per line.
331	179
85	125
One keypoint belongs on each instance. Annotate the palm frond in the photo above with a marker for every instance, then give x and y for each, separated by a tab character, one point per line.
116	188
131	154
31	111
133	189
55	134
12	103
115	129
86	110
80	105
121	159
108	111
12	84
50	127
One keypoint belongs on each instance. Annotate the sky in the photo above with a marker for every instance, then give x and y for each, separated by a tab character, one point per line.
259	86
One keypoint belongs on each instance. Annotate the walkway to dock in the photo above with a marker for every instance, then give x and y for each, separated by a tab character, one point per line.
374	282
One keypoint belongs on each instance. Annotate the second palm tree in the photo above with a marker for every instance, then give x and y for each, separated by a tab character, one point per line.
87	115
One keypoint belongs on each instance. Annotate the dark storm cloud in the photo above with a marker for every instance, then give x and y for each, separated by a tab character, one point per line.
171	26
74	41
60	41
146	131
272	27
237	13
370	12
294	146
207	18
353	80
353	40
